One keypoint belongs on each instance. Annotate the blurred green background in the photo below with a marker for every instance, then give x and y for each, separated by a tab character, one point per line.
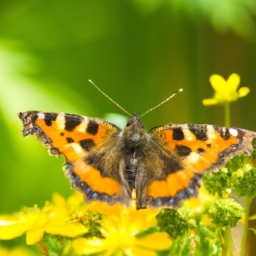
137	51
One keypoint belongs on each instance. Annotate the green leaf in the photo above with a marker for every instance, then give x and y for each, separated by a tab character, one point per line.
253	217
147	232
253	230
58	246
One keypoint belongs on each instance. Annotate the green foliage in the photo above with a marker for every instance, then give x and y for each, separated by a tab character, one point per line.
221	14
190	215
239	174
182	246
244	181
209	241
58	246
217	182
147	232
170	221
237	162
92	221
253	230
225	212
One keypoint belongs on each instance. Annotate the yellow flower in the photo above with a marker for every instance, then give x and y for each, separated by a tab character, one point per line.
17	251
143	218
119	227
120	238
114	228
54	218
226	90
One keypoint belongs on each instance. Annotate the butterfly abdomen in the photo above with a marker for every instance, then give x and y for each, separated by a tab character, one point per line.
131	172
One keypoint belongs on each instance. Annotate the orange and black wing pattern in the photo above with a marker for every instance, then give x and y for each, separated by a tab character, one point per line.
179	155
85	142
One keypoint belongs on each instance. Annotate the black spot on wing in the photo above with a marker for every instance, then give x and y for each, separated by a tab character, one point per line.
87	144
92	128
182	150
200	151
200	131
72	122
69	140
62	134
49	117
177	133
208	145
224	132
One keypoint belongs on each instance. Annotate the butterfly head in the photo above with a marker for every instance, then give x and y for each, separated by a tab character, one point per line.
134	131
135	121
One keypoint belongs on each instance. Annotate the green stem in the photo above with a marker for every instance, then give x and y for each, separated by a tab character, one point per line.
248	201
227	114
228	243
218	233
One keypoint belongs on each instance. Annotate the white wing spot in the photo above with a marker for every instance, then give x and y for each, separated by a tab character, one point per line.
60	121
233	132
211	133
192	158
77	148
188	134
41	115
82	127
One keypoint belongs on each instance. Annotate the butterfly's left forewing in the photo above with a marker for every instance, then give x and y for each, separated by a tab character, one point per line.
178	156
89	146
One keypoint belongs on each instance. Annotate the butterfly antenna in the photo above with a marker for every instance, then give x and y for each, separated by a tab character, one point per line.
180	90
109	97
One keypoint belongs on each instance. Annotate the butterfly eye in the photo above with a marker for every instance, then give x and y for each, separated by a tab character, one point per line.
135	120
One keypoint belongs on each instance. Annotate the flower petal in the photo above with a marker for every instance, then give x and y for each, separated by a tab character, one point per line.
243	91
158	241
89	246
233	82
69	230
11	229
34	236
137	251
20	251
208	102
219	84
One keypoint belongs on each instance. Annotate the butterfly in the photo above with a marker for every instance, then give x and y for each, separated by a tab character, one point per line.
163	166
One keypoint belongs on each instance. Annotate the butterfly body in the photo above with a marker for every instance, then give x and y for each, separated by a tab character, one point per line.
164	165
